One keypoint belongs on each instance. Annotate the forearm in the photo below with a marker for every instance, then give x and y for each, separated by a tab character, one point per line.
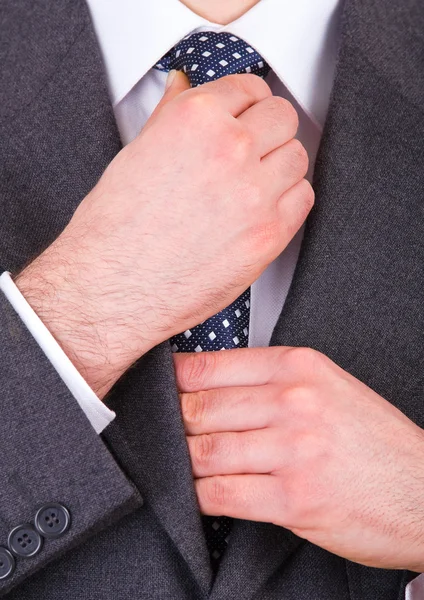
67	296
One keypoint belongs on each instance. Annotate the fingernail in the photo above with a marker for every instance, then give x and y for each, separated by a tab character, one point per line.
170	78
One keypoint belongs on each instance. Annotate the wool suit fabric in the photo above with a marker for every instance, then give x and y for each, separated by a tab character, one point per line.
357	296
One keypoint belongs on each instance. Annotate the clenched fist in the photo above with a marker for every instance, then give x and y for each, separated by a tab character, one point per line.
184	219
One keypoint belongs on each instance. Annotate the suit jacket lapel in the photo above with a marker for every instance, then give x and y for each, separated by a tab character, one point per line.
357	291
149	440
255	551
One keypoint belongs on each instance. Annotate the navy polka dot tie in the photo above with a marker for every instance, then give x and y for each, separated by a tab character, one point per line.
206	56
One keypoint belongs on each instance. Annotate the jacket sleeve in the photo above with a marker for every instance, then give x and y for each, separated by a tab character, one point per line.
59	484
95	410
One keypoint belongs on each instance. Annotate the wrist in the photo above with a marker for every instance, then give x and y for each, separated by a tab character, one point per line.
80	316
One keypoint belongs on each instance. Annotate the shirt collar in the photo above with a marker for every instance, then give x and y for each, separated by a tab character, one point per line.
297	39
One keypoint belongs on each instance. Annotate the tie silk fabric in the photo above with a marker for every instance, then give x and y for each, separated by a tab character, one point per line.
206	56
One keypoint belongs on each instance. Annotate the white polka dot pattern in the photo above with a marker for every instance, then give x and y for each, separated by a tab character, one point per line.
228	329
209	55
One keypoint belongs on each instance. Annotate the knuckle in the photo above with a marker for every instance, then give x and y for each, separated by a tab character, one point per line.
251	84
291	115
298	394
308	195
196	368
284	111
278	357
279	354
312	449
203	449
196	105
281	111
229	84
277	104
307	484
302	357
299	157
303	402
217	492
193	407
306	360
239	143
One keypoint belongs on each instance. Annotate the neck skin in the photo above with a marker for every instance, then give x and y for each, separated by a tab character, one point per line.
221	12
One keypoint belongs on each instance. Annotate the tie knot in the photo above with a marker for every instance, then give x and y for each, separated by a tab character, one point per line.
205	56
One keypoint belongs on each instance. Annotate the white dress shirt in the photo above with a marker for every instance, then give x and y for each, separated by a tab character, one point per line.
299	42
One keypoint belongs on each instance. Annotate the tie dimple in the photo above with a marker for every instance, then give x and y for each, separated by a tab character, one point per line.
206	56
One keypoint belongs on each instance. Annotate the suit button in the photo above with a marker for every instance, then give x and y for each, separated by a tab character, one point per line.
25	541
52	520
7	563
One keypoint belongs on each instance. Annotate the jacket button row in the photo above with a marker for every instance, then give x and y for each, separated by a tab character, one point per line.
51	522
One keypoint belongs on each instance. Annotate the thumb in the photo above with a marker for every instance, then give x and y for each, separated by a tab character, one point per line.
176	83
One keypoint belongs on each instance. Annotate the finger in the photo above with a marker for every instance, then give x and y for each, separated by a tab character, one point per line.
284	167
229	453
271	123
237	93
249	497
239	367
231	409
293	208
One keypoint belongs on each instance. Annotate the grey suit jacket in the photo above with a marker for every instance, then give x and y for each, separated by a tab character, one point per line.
357	296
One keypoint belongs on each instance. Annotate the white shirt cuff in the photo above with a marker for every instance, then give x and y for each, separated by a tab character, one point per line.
96	411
